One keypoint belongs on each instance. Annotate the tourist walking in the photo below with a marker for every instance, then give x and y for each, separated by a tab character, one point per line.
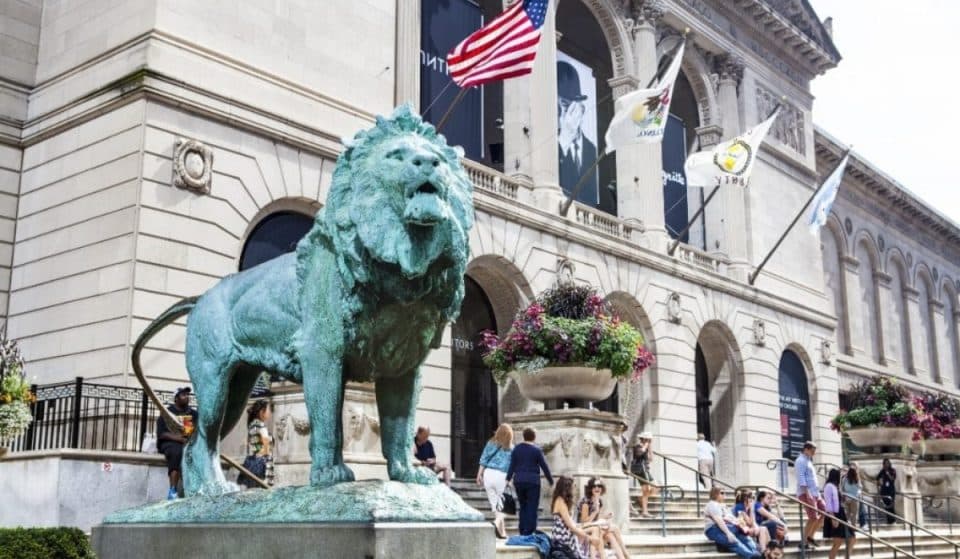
590	510
720	527
492	475
706	460
171	444
640	466
526	463
259	459
834	529
567	534
809	494
850	490
887	484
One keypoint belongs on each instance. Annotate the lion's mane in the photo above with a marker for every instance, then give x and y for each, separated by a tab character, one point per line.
385	254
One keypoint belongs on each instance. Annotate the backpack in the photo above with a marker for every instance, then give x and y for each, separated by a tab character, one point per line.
560	550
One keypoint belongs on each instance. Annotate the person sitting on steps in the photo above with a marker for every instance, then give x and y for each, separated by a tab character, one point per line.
721	528
590	511
423	451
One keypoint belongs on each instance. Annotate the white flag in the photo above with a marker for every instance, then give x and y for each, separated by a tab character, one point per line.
823	200
730	162
641	115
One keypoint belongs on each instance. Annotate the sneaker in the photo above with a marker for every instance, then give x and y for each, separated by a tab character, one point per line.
172	494
811	543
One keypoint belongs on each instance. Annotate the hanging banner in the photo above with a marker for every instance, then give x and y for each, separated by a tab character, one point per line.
674	154
577	125
794	405
443	24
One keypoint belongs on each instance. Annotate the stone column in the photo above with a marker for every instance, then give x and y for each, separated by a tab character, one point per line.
918	351
406	64
937	330
639	167
542	99
728	216
885	309
851	279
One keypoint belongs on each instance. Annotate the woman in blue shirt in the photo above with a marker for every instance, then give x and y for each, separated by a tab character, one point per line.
526	463
494	463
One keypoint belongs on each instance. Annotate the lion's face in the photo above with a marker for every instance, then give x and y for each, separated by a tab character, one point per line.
410	202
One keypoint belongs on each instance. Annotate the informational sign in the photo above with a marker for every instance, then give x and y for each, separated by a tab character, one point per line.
443	24
674	153
794	405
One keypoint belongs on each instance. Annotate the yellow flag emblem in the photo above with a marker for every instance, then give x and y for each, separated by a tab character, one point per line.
734	158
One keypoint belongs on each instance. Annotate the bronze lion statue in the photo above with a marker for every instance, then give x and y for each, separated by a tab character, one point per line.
367	293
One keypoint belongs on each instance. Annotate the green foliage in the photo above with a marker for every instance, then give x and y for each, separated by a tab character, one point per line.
879	402
44	543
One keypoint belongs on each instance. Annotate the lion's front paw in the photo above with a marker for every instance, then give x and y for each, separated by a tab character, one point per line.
331	475
413	474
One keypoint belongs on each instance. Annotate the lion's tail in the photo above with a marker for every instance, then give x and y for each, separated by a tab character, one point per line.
178	309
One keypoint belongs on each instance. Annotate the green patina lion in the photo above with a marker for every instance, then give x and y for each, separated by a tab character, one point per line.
366	295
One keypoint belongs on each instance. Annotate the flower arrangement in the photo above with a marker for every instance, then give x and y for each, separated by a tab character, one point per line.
567	324
941	417
15	395
879	402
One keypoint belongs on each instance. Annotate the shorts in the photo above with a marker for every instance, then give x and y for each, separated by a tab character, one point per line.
816	507
174	454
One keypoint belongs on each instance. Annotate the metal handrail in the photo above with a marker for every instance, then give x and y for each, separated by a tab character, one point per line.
665	496
803	553
934	504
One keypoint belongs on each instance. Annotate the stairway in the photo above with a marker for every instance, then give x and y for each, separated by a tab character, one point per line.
685	539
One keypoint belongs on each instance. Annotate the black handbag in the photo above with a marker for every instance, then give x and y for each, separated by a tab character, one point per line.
508	503
560	550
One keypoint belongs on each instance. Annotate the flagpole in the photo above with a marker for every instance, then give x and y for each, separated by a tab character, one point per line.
656	76
753	275
676	242
453	105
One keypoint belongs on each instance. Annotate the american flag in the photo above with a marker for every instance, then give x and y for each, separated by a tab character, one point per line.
504	48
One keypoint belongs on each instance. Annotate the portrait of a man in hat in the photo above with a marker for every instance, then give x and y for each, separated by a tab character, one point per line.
577	149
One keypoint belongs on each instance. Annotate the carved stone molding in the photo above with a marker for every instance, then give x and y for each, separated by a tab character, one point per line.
621	85
566	271
674	308
709	135
789	128
647	12
882	278
851	263
826	351
759	332
192	165
848	225
881	243
730	67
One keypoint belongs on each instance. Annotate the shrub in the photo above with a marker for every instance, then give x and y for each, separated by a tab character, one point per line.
44	543
940	419
568	324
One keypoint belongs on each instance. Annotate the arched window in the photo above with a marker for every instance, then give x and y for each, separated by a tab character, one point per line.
868	302
585	106
899	323
953	337
276	234
833	284
928	328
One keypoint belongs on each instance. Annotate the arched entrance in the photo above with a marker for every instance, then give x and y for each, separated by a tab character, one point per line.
474	413
718	388
794	405
276	234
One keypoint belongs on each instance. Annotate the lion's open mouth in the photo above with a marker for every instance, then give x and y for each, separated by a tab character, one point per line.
427	188
424	206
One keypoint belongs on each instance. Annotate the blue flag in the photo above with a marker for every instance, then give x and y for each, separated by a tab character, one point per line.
826	194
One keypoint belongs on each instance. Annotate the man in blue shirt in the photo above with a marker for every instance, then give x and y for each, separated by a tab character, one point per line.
526	462
809	494
424	452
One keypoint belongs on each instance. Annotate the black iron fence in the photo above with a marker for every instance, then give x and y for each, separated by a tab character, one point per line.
86	415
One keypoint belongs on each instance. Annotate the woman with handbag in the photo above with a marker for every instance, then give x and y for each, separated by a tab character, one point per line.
492	475
640	466
259	458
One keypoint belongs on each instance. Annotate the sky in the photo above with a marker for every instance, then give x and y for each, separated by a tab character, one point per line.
892	95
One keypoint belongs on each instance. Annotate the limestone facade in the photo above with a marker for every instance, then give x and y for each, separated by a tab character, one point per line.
142	142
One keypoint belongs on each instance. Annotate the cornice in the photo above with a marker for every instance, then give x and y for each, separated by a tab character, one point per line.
887	188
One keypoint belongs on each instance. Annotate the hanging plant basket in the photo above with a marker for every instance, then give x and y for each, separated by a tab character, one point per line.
563	382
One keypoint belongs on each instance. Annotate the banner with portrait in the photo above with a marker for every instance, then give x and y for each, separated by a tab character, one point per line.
577	125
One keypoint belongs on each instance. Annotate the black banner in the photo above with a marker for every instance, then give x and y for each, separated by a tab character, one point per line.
443	24
674	151
794	405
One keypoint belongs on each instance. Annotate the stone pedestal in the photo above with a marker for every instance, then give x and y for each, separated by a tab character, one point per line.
908	503
581	444
361	434
940	479
380	540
